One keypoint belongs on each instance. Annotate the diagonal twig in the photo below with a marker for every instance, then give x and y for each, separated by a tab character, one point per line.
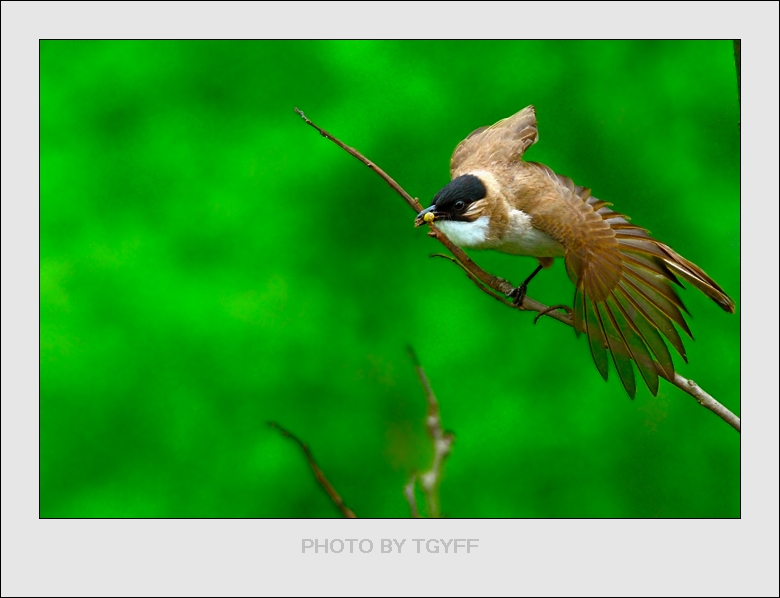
495	286
318	474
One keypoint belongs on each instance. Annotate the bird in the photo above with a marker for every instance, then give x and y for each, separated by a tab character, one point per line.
624	280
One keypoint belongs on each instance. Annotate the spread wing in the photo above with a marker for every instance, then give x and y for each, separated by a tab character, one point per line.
504	141
625	300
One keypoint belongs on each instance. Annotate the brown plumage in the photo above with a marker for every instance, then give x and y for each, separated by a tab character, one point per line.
624	297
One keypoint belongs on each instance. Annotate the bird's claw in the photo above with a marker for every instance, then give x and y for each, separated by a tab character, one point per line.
547	311
518	294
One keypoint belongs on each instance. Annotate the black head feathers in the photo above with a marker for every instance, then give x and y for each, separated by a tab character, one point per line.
459	194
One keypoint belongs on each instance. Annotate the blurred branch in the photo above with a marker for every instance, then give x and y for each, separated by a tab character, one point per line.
409	494
442	445
323	481
499	289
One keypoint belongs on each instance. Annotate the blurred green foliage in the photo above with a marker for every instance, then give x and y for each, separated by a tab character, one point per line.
210	263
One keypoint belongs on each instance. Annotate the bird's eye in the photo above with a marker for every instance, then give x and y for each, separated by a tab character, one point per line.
459	205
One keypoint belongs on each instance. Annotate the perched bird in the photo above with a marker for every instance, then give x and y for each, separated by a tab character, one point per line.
624	299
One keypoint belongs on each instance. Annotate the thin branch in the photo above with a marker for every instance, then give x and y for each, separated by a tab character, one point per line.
442	446
706	401
495	286
323	481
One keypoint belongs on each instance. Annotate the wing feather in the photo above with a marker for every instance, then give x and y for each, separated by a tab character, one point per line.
505	141
621	355
647	330
635	342
596	338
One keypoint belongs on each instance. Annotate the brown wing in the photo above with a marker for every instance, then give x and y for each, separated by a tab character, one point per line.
625	299
504	141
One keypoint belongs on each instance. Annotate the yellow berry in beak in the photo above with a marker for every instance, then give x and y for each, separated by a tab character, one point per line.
429	217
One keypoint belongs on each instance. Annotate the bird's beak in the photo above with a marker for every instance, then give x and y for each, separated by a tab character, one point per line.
427	215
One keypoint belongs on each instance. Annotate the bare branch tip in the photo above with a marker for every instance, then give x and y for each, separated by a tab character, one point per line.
278	427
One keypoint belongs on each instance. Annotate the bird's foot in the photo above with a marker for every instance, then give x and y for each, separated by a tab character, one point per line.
547	311
518	294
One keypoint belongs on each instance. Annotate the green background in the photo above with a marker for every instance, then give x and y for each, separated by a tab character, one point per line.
210	263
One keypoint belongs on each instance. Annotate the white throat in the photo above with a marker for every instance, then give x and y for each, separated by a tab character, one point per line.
466	234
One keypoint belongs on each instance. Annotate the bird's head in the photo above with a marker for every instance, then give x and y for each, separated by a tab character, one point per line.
461	200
